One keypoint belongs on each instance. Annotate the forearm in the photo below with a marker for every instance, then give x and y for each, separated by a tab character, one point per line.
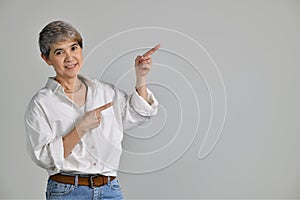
141	87
70	141
89	121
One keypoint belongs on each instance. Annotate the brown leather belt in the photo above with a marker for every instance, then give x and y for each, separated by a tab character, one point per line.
92	180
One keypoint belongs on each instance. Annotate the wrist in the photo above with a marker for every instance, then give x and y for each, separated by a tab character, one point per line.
80	130
140	82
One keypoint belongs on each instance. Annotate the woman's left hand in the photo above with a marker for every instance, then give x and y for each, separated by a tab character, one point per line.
143	63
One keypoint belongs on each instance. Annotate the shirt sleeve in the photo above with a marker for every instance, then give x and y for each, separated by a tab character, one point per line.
45	149
135	109
143	107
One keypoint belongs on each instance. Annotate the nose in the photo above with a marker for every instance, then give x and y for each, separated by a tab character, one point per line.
69	56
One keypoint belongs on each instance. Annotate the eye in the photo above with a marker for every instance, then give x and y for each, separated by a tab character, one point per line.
75	47
58	53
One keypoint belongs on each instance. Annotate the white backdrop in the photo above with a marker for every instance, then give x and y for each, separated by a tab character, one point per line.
232	60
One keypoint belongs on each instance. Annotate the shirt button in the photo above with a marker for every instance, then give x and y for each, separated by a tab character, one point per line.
94	164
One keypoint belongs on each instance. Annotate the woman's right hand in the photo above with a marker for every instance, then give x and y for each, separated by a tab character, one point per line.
90	120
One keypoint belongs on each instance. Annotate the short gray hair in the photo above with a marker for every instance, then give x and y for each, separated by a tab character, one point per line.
57	31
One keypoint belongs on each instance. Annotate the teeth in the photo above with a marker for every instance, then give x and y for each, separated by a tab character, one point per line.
70	66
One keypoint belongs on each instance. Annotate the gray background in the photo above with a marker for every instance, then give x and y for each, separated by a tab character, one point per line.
255	45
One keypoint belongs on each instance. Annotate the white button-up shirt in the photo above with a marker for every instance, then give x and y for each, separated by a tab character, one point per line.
51	115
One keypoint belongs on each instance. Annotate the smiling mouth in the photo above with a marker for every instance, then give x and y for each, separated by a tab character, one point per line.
71	66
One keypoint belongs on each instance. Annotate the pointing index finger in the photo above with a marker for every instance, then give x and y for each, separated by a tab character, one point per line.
101	108
151	51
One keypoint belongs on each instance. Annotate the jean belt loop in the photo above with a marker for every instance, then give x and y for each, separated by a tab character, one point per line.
76	180
108	180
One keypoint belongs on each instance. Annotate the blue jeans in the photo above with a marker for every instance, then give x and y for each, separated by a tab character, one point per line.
56	190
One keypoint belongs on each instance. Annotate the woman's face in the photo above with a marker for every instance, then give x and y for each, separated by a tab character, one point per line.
66	59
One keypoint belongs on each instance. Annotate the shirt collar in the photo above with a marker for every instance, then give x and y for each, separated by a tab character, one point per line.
54	85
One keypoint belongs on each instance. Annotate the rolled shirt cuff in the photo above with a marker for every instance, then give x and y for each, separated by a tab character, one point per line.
57	153
142	106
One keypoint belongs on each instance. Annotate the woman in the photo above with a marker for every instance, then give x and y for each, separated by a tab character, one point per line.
75	125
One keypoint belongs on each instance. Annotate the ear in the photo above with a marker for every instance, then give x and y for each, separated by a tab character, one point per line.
46	59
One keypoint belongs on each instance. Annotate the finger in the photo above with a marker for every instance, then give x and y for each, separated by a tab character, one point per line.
148	61
145	60
101	108
151	51
98	116
137	60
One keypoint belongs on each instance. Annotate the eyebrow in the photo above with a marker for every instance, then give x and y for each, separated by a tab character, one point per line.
74	44
59	49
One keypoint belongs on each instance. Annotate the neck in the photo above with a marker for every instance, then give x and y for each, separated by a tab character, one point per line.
69	85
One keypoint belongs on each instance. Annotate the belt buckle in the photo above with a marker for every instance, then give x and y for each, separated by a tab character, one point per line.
92	182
